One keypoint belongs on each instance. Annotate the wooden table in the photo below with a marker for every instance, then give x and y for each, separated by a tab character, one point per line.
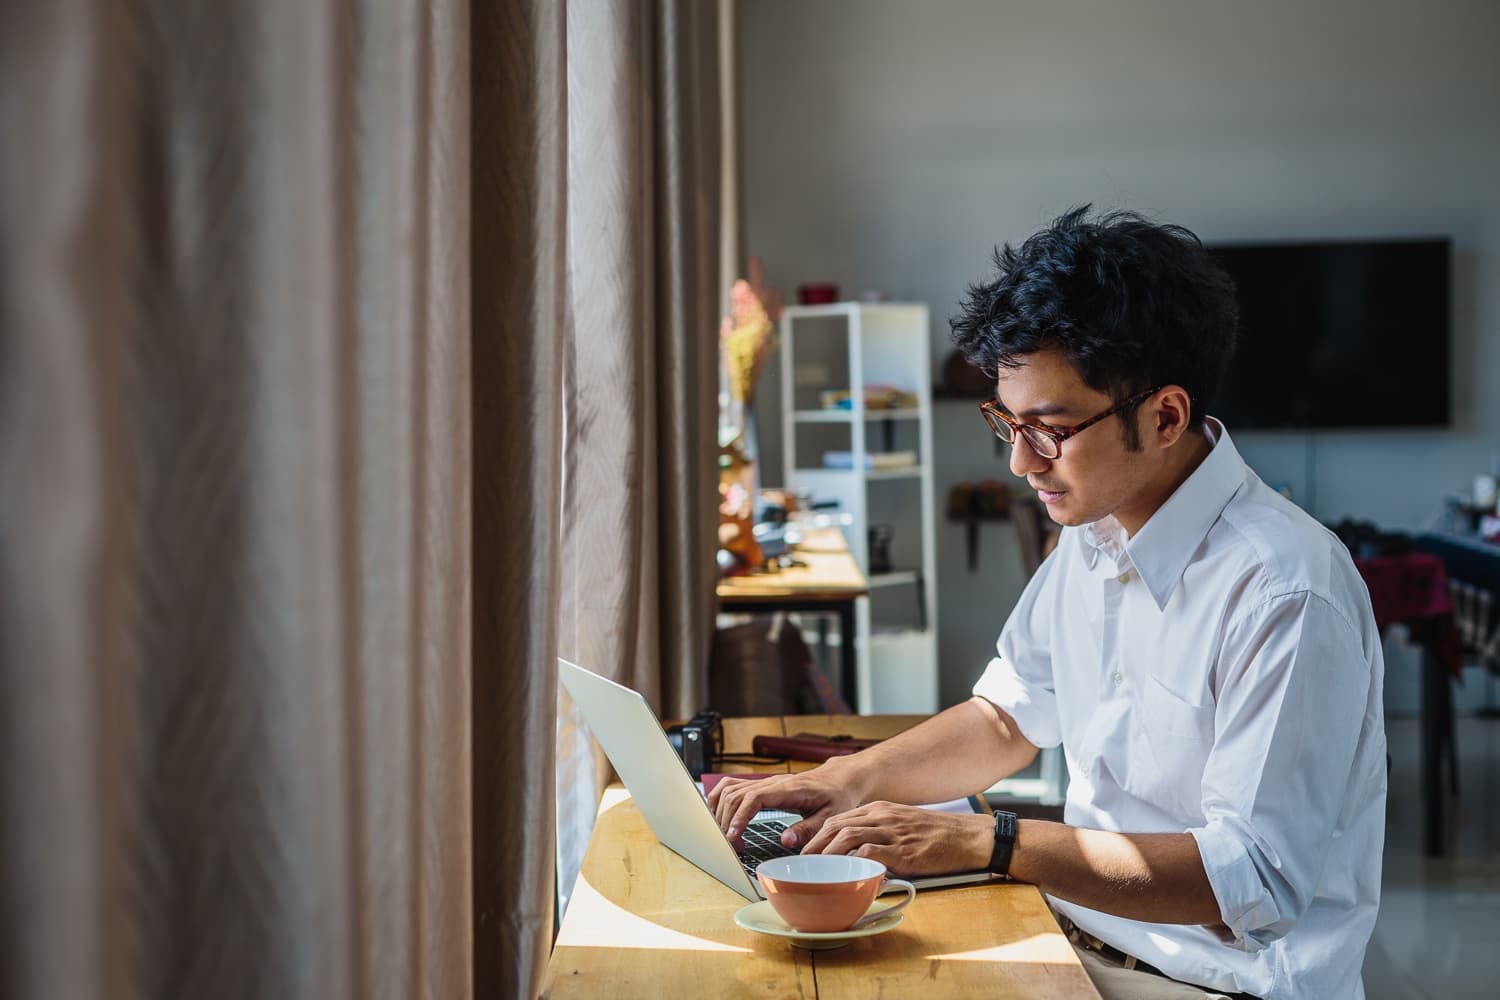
642	922
830	582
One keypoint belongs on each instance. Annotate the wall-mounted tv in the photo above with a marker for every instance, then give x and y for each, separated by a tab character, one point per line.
1339	335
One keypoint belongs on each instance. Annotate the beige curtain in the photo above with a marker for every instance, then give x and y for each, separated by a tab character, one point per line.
234	497
290	292
639	531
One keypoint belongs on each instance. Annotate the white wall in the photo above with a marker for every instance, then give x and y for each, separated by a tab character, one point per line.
891	145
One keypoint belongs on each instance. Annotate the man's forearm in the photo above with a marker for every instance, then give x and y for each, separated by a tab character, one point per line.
962	750
1156	877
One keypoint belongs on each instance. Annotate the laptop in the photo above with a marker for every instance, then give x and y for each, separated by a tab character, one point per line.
670	799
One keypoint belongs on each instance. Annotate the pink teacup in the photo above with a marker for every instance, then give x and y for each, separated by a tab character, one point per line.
827	893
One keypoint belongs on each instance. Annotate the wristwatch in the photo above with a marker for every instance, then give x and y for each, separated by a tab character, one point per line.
1005	841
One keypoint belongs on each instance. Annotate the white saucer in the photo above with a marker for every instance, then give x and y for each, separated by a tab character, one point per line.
762	919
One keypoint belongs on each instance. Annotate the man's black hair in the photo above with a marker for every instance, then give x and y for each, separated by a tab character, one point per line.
1129	303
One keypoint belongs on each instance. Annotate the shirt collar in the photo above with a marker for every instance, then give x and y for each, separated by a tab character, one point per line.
1161	549
1103	537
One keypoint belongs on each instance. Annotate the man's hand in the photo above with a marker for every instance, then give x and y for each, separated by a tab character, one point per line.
909	840
815	795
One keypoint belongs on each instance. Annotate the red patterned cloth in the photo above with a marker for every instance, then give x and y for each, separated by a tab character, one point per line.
1413	590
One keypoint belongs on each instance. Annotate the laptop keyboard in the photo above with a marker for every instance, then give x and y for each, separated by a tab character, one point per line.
762	843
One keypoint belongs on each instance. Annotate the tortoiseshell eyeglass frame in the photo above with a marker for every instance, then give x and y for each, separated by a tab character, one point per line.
1045	439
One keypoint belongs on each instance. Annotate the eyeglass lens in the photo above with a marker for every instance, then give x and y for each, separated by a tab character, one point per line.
1040	442
1044	445
1003	430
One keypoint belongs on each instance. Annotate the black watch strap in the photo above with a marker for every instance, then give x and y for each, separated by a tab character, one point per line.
1005	842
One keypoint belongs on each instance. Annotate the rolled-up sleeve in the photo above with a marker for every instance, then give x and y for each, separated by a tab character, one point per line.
1292	701
1019	679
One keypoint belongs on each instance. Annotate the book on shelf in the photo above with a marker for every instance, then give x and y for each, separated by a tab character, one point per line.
877	397
874	460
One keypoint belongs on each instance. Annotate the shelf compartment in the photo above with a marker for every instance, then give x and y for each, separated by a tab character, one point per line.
895	578
894	685
909	472
845	416
836	351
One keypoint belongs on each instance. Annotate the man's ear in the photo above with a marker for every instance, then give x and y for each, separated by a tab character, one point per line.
1174	409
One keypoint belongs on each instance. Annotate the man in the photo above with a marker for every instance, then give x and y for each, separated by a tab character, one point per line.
1203	650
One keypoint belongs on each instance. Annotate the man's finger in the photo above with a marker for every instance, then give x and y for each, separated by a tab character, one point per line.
721	800
730	798
731	805
804	829
727	785
745	809
807	828
850	839
831	825
830	829
886	855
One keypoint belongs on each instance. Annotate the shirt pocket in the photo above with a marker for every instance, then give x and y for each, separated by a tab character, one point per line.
1170	751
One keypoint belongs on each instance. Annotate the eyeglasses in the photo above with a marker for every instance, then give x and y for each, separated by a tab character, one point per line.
1045	439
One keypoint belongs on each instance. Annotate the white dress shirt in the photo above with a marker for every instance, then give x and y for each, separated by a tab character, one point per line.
1220	673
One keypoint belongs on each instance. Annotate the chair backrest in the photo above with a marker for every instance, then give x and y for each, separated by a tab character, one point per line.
1478	631
1474	578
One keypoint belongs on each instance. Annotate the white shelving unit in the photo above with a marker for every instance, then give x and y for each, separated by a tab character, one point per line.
849	346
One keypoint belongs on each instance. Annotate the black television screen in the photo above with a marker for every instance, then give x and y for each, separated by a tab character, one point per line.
1338	335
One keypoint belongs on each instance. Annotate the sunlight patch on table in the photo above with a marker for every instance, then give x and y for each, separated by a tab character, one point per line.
613	796
596	922
1037	948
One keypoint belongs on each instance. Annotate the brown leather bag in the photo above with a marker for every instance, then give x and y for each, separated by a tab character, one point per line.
808	746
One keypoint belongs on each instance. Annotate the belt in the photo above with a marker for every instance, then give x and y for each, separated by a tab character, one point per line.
1084	939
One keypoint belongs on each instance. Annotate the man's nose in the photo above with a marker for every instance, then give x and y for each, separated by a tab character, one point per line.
1024	459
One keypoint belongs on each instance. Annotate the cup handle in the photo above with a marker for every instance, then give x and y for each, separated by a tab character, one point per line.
890	885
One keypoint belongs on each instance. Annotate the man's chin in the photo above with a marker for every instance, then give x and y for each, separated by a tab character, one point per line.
1064	514
1060	517
1056	504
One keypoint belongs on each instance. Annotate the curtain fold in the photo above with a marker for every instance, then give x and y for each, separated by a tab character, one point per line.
642	290
443	916
404	176
687	294
639	531
63	664
519	241
234	443
609	305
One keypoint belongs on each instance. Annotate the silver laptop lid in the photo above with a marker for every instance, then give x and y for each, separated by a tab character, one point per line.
663	790
665	793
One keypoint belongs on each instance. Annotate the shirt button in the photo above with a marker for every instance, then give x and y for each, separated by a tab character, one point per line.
1117	677
1123	577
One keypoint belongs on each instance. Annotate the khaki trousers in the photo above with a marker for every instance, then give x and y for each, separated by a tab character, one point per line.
1115	982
